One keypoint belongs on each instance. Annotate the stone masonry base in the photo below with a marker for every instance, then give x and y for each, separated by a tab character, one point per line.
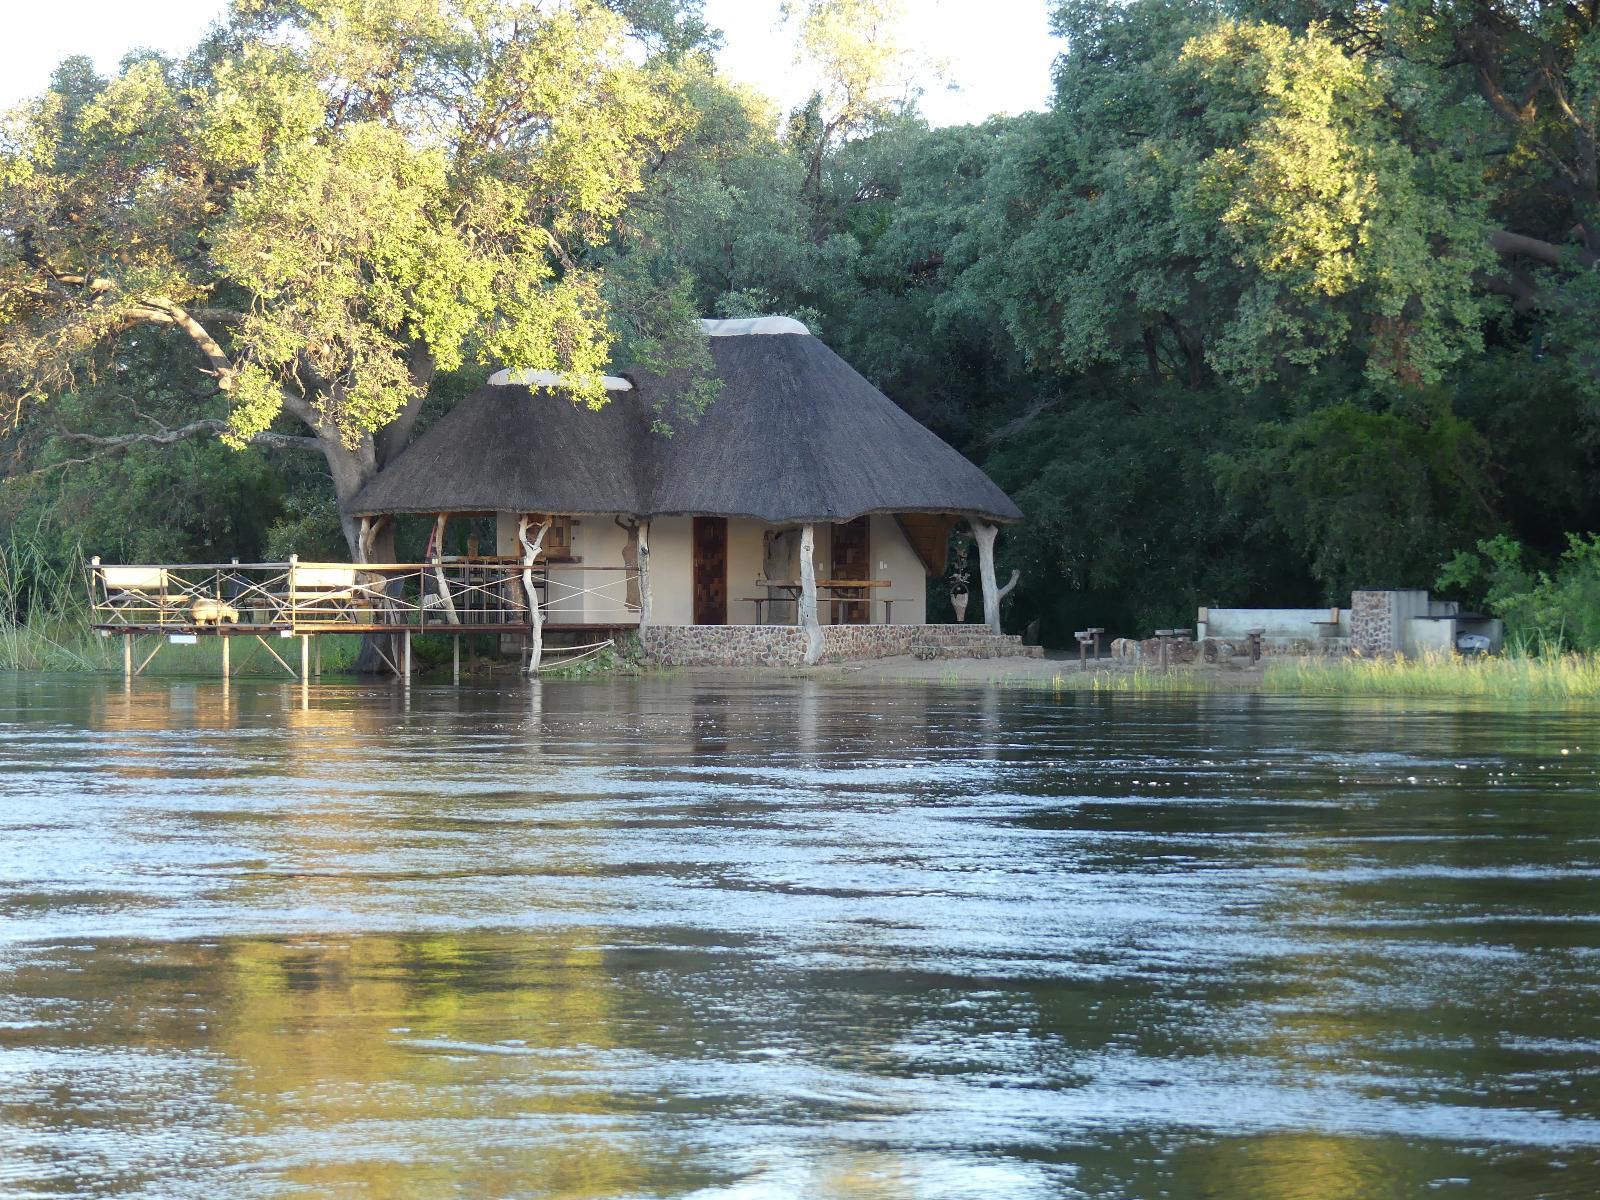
785	645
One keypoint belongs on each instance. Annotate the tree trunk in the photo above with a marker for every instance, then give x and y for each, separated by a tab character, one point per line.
808	597
530	555
984	533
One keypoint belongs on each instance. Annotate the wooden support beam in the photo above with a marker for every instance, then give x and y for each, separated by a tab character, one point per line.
305	658
405	658
226	644
127	656
808	596
455	660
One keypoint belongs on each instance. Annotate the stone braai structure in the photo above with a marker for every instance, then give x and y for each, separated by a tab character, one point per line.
1372	623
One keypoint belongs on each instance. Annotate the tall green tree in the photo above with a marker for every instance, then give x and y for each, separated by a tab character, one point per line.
332	201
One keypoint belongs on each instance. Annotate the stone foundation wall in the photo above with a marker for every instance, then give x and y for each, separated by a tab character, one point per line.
841	643
1372	624
768	645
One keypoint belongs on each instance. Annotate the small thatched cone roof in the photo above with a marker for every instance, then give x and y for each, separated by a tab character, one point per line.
795	435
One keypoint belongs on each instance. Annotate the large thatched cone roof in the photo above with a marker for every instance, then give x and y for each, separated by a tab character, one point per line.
795	435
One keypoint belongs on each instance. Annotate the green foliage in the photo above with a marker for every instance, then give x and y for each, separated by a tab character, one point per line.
334	201
1555	608
1126	525
1369	498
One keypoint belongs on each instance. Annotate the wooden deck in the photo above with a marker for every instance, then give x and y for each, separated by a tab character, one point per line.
450	597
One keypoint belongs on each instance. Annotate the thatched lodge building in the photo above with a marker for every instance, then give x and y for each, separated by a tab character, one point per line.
803	499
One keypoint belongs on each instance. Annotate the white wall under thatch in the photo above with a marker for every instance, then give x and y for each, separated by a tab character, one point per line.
599	542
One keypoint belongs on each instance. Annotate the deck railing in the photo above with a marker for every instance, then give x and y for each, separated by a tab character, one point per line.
461	593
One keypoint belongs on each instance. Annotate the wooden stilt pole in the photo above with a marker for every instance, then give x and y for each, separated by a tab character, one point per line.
317	670
808	596
227	643
127	656
305	657
405	658
455	660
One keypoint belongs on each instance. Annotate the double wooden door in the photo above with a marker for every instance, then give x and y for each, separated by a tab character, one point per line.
711	570
852	559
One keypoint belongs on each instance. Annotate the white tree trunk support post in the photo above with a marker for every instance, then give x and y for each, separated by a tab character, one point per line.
438	570
985	533
305	658
405	658
225	640
364	540
644	573
808	597
530	555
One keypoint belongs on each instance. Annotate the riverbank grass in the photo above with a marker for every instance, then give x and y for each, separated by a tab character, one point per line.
1550	677
1557	677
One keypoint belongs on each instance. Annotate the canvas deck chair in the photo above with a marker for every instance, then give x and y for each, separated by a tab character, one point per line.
134	591
324	593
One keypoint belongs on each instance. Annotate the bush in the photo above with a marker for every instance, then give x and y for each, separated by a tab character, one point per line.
1555	609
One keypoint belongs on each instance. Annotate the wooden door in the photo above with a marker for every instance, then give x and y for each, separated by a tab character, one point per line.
711	570
852	559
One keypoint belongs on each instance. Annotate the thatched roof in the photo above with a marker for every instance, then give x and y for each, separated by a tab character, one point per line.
795	435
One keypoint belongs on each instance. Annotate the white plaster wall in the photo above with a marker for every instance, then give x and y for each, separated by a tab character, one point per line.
894	559
1278	622
1426	635
744	568
1408	603
672	571
599	542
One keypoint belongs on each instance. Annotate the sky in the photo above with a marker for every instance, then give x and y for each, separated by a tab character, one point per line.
997	52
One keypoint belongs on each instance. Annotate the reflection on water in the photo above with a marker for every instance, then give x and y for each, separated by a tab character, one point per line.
685	938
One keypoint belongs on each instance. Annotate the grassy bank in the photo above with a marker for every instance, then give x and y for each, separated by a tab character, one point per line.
1556	678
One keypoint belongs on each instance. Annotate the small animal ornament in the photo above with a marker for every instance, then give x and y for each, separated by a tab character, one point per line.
213	612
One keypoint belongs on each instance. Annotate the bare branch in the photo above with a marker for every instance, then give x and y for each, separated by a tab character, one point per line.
208	427
1539	249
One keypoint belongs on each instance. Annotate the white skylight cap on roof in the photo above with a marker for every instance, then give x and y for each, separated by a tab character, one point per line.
552	379
748	325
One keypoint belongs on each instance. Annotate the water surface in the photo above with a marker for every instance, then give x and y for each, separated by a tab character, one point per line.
791	939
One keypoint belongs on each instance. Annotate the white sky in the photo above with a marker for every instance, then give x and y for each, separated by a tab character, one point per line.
997	52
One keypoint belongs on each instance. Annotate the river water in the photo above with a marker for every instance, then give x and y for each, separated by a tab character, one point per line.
752	940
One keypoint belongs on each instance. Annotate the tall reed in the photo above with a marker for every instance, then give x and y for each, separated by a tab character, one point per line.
44	622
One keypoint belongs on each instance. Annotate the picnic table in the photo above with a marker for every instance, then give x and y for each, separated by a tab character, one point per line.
844	591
